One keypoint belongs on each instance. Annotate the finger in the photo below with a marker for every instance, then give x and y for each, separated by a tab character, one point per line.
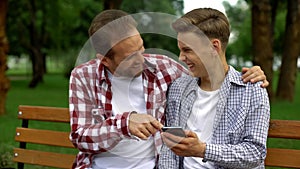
145	131
255	77
167	141
155	123
174	138
256	70
244	69
189	133
139	130
141	135
246	75
265	84
247	78
151	129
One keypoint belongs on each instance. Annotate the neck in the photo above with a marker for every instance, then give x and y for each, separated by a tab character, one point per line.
214	83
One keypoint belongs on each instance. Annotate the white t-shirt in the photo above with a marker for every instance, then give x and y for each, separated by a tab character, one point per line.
201	122
128	96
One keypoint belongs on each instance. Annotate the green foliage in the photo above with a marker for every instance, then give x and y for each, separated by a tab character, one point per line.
240	20
6	156
166	6
62	23
173	7
279	31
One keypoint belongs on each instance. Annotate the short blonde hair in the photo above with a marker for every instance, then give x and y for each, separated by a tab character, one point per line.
213	23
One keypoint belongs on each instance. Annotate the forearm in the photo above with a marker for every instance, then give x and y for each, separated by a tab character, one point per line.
92	128
99	137
243	155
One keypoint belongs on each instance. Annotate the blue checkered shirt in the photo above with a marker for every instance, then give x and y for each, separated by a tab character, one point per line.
240	125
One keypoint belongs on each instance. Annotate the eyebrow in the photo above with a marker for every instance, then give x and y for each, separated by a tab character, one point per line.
185	48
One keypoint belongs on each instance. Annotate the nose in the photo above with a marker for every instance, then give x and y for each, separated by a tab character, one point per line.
182	57
137	58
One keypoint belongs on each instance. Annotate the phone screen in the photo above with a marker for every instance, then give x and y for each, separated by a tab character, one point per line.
178	131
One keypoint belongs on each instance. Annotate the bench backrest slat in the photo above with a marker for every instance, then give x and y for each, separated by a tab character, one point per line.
49	159
284	129
278	157
47	137
42	113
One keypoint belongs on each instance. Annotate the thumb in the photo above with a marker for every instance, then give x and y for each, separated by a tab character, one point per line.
244	69
190	133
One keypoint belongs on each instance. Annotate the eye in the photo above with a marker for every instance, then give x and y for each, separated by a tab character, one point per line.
187	50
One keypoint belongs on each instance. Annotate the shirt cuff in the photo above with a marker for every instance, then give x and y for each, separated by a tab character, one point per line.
122	124
127	128
212	153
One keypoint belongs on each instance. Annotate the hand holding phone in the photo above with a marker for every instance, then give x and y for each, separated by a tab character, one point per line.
177	131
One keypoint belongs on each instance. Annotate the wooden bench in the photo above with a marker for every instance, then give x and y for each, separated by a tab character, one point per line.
26	134
283	157
277	157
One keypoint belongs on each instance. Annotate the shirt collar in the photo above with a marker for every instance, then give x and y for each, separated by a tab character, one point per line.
234	76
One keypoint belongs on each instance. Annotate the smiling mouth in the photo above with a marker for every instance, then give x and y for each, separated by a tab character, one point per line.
190	66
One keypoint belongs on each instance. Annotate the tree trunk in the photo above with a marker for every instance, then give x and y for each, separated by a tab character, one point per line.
37	56
4	81
37	59
291	51
262	39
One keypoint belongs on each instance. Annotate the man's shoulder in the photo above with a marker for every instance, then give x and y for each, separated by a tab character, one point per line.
184	82
89	64
248	87
88	68
158	58
165	64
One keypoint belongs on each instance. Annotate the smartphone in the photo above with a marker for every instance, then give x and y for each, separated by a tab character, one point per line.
178	131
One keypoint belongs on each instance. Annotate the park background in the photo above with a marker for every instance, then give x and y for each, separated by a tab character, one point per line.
45	37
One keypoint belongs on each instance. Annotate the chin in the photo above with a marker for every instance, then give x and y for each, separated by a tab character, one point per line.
138	74
191	74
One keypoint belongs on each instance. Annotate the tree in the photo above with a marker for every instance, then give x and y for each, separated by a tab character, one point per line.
291	51
275	35
4	81
262	39
37	36
154	40
240	27
28	29
39	32
54	28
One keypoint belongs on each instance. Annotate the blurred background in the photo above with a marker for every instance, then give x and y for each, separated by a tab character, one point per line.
40	42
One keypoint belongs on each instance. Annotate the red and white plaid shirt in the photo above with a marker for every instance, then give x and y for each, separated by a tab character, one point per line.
94	128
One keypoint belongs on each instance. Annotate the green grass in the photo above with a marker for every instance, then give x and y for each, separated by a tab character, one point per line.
286	111
54	92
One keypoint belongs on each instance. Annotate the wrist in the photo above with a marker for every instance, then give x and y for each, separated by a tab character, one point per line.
202	149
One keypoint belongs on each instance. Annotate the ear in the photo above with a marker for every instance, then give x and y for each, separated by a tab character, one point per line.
103	59
217	44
